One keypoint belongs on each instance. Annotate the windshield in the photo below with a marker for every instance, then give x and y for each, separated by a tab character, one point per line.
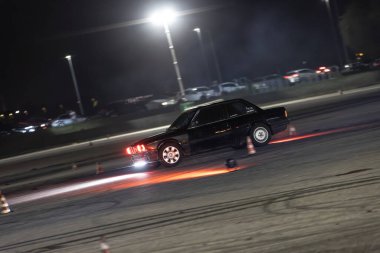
182	121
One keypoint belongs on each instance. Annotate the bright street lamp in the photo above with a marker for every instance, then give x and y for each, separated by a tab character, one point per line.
79	101
165	17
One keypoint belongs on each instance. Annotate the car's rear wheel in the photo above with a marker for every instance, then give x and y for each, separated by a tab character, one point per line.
170	154
261	135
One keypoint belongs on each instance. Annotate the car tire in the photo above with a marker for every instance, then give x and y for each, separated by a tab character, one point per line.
261	135
170	154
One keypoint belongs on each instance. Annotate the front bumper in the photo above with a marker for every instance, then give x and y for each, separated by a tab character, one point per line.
143	159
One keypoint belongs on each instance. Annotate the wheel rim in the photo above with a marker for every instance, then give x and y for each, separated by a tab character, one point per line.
260	134
171	155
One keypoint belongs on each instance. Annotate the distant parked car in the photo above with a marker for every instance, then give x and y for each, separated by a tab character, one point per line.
30	125
269	83
67	119
376	64
5	129
228	87
161	103
122	107
323	72
301	75
355	67
198	93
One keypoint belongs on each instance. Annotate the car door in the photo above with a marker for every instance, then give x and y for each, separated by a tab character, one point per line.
241	116
209	129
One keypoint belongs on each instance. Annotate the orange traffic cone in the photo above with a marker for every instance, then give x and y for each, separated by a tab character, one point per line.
104	247
99	168
4	204
250	148
292	130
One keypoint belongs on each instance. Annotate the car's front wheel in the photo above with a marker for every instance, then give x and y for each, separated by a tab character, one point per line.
170	154
261	135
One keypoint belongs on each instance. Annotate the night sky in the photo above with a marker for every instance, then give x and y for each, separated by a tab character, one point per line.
252	38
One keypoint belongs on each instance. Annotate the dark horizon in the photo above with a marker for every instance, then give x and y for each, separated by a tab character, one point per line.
251	40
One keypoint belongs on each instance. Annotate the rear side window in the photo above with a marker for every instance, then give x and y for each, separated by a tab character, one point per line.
66	116
229	85
236	109
190	92
209	115
239	108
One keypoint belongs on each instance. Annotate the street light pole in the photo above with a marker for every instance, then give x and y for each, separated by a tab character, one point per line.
336	34
164	17
79	101
215	58
174	58
198	31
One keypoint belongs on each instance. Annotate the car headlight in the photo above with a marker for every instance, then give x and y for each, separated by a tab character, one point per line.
140	164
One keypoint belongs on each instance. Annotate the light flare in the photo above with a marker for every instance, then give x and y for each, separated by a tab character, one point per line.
123	182
306	136
74	187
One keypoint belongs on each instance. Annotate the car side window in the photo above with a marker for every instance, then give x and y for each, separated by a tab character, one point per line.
66	116
209	115
190	92
236	109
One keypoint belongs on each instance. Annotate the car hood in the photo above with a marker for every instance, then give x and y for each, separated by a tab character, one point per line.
159	137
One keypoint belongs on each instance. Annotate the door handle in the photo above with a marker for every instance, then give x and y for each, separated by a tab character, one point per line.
223	130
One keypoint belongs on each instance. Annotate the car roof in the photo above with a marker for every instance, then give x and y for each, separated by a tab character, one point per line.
198	87
218	102
227	83
297	70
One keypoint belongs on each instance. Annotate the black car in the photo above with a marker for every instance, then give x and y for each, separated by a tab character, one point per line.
355	67
208	127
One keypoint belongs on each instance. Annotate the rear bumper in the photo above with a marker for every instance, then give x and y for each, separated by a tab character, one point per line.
279	125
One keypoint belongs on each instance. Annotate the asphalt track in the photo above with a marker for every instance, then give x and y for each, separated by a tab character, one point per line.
315	191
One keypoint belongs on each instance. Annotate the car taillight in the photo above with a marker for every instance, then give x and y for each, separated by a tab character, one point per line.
318	71
291	76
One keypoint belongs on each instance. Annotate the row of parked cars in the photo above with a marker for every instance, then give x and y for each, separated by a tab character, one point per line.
34	124
277	81
203	92
357	67
259	85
